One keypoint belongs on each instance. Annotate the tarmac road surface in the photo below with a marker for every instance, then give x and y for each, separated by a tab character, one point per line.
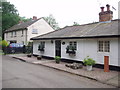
18	74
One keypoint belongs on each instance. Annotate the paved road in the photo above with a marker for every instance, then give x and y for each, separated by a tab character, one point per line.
18	74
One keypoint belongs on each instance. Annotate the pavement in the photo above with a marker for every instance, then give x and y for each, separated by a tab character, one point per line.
110	78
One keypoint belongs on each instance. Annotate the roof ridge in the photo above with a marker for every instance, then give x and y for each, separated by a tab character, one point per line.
89	23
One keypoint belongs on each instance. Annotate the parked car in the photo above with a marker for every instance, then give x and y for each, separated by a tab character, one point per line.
15	47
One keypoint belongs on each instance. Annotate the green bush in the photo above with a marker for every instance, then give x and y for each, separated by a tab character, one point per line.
89	61
3	44
57	58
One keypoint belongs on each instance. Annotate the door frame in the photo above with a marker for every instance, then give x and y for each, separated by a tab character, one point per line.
58	48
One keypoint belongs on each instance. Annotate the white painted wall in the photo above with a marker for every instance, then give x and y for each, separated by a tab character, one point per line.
42	26
85	47
49	48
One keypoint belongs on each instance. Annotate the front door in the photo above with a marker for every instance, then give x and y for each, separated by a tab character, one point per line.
58	48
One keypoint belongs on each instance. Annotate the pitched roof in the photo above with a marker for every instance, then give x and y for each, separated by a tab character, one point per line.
21	25
83	31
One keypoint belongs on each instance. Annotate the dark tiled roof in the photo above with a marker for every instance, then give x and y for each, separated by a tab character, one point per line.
22	25
88	30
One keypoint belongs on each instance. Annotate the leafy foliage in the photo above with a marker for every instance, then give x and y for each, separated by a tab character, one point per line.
24	19
70	47
10	15
29	47
89	61
57	59
3	45
52	22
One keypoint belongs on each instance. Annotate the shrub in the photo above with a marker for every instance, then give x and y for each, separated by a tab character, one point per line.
89	61
3	43
57	58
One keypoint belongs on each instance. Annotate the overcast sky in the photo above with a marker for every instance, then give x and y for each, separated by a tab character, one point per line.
65	11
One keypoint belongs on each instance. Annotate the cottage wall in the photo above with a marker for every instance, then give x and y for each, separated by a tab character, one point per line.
49	48
85	47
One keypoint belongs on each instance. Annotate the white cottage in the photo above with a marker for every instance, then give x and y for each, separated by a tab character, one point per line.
22	32
98	40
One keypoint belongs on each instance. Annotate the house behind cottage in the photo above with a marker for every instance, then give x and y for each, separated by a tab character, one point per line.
97	40
22	32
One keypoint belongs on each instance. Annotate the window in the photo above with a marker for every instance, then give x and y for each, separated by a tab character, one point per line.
15	34
104	46
11	34
43	44
73	44
34	31
22	33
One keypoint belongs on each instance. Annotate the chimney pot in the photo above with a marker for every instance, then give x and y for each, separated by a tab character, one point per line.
34	18
102	9
105	15
108	7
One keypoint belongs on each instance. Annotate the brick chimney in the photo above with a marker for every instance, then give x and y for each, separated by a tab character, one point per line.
105	15
34	18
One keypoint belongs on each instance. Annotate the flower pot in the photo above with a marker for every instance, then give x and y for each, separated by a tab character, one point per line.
29	55
57	62
89	68
39	57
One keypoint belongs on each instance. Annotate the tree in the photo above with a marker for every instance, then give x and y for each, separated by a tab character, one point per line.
75	23
24	19
52	22
10	16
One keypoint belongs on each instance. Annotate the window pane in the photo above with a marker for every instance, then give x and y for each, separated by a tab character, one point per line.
100	45
73	44
107	46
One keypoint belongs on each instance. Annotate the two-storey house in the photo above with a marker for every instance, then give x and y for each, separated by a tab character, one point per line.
22	32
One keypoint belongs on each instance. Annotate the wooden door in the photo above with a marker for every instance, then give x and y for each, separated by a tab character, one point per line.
106	63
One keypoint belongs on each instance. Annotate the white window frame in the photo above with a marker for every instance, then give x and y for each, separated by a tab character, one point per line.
103	46
73	43
34	31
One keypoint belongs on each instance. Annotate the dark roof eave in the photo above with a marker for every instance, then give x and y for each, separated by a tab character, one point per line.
15	30
108	36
